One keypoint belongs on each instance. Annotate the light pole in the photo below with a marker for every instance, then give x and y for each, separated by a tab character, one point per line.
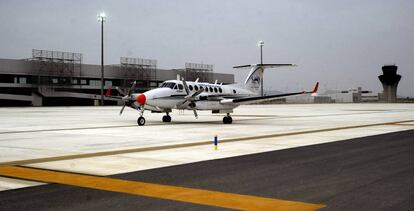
261	44
102	19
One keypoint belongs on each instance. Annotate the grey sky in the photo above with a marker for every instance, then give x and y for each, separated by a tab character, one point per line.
342	44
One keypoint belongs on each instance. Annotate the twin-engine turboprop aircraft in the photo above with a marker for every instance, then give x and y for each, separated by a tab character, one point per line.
195	95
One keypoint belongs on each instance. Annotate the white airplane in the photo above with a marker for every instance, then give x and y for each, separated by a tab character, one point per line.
195	95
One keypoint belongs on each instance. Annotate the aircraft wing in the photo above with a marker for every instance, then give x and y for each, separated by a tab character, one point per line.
249	100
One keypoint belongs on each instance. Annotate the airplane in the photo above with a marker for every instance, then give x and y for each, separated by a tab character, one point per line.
195	95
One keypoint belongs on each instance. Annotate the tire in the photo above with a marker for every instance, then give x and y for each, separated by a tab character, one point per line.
141	121
229	120
225	120
166	118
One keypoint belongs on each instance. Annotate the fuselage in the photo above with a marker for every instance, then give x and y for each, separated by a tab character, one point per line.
171	95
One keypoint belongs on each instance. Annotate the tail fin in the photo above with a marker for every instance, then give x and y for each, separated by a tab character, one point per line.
255	77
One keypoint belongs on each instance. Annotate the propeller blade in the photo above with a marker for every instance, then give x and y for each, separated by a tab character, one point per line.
195	113
132	88
198	92
186	87
122	109
126	98
190	98
120	91
194	95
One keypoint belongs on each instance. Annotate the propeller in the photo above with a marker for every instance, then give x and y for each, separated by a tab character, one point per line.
120	91
127	98
191	97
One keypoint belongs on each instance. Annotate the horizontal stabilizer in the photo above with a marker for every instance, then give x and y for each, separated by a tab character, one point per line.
265	65
249	100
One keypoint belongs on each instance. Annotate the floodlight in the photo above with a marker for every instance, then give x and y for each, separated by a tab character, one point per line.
101	17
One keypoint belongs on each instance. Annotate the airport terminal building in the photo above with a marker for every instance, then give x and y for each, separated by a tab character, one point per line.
60	78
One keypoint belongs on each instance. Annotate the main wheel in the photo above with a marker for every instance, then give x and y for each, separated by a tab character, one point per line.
141	121
227	120
166	118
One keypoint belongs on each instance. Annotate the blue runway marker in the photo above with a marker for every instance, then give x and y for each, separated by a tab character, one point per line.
215	142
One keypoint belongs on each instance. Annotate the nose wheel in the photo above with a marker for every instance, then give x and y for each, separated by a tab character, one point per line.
227	119
141	121
166	118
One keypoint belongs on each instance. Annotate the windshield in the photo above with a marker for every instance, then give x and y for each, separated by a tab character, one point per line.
168	85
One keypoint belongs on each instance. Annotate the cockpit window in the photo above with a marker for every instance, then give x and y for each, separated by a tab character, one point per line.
168	85
180	87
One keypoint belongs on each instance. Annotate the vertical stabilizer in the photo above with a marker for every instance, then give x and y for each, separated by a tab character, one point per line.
254	79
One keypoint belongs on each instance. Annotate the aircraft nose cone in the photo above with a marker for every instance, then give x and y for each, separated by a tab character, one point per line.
141	99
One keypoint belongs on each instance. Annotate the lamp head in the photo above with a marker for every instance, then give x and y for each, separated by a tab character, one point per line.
101	17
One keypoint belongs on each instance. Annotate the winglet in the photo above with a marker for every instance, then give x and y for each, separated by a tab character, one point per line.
315	90
108	92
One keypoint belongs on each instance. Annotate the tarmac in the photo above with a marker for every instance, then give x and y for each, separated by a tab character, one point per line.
279	156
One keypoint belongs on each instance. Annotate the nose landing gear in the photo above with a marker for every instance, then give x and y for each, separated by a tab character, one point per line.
141	119
227	119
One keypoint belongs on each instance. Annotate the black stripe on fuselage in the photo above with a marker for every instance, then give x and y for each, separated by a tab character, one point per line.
171	97
266	97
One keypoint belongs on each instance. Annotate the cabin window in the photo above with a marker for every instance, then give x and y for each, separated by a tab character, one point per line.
168	85
206	89
215	89
211	89
234	91
180	87
196	87
220	90
190	87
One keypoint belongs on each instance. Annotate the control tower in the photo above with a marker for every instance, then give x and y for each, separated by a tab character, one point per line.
389	80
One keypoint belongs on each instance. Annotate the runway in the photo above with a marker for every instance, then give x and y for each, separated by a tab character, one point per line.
370	173
97	142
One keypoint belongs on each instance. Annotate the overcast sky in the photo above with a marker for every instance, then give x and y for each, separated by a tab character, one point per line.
342	44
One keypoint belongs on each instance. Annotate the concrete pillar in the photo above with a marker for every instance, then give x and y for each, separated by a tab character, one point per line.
37	99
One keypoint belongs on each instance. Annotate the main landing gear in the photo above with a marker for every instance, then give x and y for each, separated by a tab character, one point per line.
227	119
166	118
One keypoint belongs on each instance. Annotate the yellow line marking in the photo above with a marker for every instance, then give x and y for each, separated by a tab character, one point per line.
192	144
399	124
189	195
